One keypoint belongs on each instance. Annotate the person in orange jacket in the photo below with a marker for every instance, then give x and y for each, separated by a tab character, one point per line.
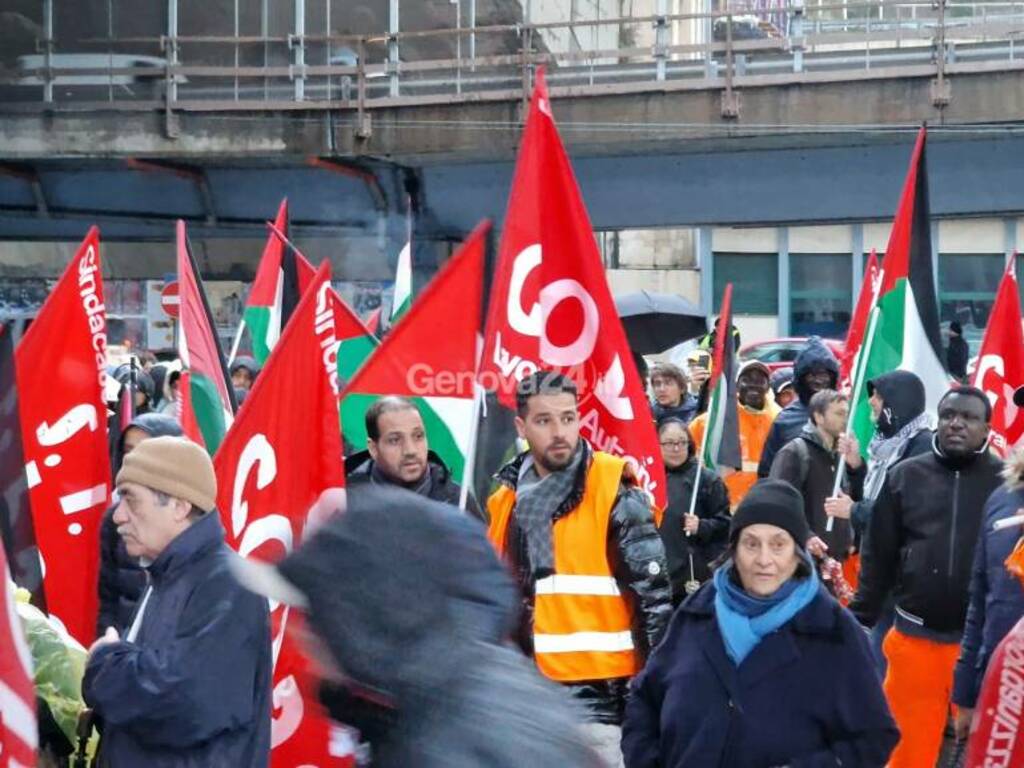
755	412
579	535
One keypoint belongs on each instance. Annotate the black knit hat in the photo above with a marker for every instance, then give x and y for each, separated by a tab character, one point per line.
772	502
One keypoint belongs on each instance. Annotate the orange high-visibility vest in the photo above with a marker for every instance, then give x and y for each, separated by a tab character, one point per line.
582	624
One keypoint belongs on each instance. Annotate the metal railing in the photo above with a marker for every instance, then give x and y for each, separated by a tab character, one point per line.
749	43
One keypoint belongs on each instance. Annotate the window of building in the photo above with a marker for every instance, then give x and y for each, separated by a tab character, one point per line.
820	286
967	289
755	282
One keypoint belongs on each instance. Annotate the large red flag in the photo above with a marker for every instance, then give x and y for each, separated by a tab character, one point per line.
551	307
18	729
60	371
278	467
997	733
866	300
1001	363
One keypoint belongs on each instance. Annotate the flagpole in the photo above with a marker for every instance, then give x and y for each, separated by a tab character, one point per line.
858	388
470	465
700	464
236	342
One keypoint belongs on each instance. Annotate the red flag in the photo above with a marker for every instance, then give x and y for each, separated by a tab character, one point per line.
551	307
1001	363
60	373
18	729
997	733
278	467
866	300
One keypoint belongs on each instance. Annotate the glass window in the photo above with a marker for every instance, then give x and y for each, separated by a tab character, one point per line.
967	289
755	282
820	285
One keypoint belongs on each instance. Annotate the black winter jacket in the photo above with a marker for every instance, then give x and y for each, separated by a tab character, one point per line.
921	542
194	687
790	421
359	469
712	532
639	567
807	465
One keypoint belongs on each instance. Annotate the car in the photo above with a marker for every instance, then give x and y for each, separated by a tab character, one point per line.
781	353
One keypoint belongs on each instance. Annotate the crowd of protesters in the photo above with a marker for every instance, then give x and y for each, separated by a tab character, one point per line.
767	616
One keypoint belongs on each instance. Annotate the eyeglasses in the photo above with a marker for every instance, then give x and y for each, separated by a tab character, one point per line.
675	445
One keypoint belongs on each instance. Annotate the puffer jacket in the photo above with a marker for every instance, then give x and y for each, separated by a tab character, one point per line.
997	596
359	472
791	420
634	544
121	579
921	541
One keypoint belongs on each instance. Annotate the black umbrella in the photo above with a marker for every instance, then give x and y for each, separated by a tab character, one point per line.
656	321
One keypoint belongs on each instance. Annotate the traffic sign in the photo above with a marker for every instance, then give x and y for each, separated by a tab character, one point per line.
170	301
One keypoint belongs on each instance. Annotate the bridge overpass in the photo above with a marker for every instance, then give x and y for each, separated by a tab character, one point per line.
791	114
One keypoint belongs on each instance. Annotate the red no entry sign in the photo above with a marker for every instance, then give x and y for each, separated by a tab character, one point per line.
169	300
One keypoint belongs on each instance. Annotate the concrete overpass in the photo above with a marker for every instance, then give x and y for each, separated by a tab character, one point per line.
800	124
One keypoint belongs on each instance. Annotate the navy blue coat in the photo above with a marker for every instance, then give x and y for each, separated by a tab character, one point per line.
194	687
806	696
997	597
791	419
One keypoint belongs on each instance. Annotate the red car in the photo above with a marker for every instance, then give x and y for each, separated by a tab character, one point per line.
780	353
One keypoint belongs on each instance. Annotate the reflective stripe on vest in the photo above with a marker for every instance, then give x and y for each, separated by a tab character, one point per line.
582	623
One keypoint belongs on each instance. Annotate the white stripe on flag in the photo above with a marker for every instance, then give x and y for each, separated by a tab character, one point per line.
584	641
570	584
19	718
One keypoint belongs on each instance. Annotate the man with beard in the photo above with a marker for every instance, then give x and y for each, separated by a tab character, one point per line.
920	546
755	416
580	537
398	453
815	369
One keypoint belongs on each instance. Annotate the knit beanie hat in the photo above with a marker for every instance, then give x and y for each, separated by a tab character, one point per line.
772	502
175	466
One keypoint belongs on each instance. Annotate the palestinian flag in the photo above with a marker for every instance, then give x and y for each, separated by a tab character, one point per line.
903	329
281	278
436	370
210	395
721	444
403	284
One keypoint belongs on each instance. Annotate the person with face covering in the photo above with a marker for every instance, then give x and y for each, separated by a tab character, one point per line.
814	369
692	541
579	536
755	414
902	431
809	463
920	547
760	668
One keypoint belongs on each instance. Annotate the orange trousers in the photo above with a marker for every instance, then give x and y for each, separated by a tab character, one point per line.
918	686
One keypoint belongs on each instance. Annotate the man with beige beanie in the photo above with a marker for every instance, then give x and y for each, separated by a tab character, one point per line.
189	683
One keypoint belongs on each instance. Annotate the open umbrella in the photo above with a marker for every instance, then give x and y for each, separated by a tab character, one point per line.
656	321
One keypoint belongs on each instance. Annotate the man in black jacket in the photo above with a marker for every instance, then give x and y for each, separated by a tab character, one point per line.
398	453
958	353
580	537
814	369
920	546
809	464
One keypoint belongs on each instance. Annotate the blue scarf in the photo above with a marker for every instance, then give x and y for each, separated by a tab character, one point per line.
745	620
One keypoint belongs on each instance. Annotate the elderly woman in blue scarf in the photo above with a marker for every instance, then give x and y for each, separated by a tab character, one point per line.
761	667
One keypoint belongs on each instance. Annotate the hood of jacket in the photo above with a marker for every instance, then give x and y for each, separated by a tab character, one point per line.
814	355
903	400
811	435
1013	470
